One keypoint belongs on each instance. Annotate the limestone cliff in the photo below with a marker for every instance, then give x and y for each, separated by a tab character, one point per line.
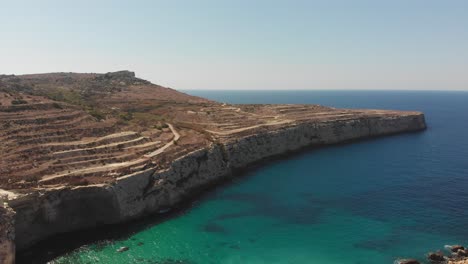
43	213
7	234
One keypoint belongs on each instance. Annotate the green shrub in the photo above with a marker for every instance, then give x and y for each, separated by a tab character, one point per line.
32	178
65	95
57	105
126	116
160	126
96	114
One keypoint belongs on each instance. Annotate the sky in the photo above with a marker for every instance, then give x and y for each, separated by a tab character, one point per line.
244	44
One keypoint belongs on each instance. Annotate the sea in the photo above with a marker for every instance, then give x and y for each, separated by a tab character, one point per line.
367	202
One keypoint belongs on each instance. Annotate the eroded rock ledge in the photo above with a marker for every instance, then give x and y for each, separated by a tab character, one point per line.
45	212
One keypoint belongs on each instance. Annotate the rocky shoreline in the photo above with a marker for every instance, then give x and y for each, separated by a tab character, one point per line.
46	212
457	254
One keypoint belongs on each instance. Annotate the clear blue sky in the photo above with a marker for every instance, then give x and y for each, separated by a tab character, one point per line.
244	44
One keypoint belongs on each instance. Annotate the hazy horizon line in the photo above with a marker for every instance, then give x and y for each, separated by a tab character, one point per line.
330	89
241	89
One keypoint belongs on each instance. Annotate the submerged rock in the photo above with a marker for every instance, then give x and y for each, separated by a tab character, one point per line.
408	261
437	256
122	249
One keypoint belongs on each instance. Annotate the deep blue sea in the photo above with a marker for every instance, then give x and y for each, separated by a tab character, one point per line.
368	202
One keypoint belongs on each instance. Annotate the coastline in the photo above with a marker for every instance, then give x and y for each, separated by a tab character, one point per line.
144	193
54	246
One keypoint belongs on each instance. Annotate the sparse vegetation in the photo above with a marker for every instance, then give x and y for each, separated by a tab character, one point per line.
127	116
32	178
57	105
96	114
67	95
18	102
160	126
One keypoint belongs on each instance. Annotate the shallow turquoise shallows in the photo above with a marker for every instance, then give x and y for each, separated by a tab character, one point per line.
368	202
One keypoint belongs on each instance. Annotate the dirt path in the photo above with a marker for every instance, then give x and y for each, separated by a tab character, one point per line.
233	131
161	150
119	164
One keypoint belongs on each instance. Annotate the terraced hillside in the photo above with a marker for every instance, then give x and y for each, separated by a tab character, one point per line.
79	129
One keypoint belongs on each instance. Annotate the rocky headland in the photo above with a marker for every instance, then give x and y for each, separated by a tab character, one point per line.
85	150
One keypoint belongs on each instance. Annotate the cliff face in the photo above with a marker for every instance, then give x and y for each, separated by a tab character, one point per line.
44	213
7	234
256	147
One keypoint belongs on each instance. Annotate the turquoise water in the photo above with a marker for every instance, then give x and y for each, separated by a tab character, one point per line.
363	203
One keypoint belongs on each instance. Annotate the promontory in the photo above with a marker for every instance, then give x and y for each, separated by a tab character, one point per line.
83	150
